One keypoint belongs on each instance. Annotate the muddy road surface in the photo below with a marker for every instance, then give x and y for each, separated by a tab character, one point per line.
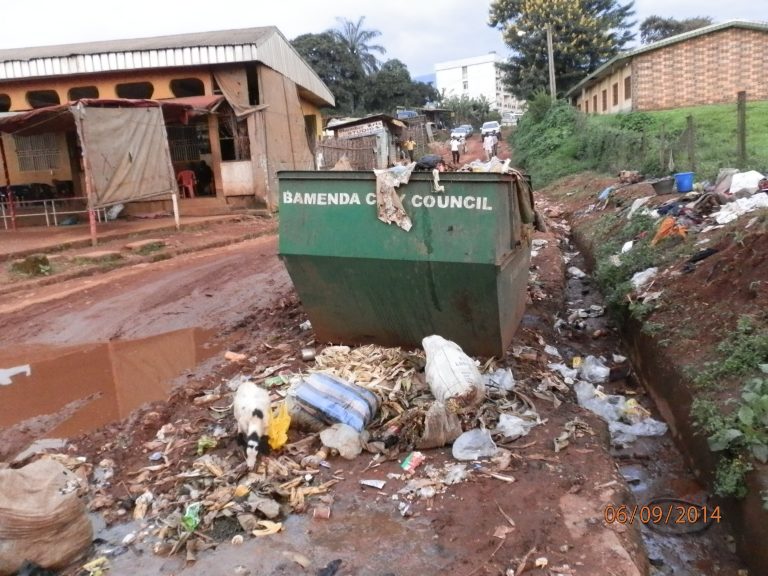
209	290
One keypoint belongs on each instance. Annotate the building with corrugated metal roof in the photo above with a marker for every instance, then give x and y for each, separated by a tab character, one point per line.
269	118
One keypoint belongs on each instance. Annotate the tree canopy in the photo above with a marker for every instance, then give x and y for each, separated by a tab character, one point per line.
392	86
357	94
336	66
655	28
358	41
585	33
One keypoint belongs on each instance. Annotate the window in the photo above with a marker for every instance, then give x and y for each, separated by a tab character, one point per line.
615	93
37	152
233	137
252	80
628	88
43	98
135	90
183	87
605	100
187	142
463	72
83	92
594	104
465	85
5	103
586	106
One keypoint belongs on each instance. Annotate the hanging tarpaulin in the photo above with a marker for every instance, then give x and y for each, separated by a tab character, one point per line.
127	153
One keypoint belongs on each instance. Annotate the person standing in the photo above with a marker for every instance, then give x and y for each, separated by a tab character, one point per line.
488	146
495	144
455	150
410	146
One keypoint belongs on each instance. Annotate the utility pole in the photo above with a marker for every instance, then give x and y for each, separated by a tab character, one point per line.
551	61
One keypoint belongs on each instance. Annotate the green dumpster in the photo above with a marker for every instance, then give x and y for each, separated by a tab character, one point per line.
461	271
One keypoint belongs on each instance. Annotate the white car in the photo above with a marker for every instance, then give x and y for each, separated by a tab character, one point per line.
459	132
490	127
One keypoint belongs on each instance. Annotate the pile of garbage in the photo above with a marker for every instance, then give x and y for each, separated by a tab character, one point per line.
196	489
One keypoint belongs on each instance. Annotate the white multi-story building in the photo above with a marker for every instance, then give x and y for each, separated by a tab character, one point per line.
475	77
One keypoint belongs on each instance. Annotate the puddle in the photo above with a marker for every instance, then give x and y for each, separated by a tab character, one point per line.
652	466
62	392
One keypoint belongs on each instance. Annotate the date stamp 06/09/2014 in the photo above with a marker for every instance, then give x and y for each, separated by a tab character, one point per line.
667	514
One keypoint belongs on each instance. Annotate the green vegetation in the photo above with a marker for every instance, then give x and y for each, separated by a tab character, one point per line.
150	248
739	354
552	141
740	433
34	265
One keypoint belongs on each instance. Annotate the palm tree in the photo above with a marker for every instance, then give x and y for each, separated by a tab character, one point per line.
357	40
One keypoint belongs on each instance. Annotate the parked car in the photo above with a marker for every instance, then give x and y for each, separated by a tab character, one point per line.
459	132
490	127
469	128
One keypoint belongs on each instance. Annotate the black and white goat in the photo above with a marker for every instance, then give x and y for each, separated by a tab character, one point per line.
252	408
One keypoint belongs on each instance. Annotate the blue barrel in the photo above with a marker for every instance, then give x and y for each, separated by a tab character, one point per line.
684	181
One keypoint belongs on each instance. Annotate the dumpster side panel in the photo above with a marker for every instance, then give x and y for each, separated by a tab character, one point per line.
460	271
335	213
398	303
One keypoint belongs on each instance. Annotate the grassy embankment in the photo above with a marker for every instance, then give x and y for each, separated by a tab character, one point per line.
731	388
556	142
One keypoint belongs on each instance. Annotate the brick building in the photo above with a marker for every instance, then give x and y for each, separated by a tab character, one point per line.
706	66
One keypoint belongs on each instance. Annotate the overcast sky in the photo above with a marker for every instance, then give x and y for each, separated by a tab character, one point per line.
417	32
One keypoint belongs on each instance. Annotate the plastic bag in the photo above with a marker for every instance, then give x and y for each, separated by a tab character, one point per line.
452	376
279	423
474	444
593	370
609	407
501	379
513	427
343	438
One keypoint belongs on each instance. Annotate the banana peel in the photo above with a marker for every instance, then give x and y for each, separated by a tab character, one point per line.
267	528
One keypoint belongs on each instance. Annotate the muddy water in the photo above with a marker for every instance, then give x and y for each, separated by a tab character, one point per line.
653	466
62	392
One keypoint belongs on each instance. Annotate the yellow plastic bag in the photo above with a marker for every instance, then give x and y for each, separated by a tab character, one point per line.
279	423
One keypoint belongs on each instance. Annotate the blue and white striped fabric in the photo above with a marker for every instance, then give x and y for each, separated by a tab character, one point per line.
332	400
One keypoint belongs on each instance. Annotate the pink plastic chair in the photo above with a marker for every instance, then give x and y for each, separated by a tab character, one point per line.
187	182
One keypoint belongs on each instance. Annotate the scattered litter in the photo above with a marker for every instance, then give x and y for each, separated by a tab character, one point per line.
321	399
552	351
593	370
731	211
413	461
627	246
636	205
626	419
204	443
344	439
564	371
306	325
279	423
441	427
378	484
452	376
474	444
234	356
501	379
575	272
640	279
267	528
512	427
191	519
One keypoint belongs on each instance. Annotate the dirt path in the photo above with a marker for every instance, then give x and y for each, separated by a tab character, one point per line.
210	289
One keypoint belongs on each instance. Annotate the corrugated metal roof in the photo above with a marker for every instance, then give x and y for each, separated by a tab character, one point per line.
265	44
620	58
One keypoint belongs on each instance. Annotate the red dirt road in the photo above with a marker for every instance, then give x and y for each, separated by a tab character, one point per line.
211	289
